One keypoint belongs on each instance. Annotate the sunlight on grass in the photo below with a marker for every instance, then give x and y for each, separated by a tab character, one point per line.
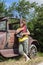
21	60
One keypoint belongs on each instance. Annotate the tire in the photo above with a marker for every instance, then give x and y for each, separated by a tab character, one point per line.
33	51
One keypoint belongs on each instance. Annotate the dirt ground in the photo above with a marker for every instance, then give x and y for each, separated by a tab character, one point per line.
40	63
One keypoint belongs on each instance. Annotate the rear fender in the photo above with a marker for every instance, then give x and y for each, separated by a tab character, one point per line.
35	42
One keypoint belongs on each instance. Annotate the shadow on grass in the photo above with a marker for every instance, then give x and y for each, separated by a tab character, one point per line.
12	58
40	54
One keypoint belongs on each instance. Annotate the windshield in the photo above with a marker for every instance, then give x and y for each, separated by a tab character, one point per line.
13	26
3	25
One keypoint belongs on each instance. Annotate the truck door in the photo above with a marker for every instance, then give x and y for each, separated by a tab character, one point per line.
12	39
2	34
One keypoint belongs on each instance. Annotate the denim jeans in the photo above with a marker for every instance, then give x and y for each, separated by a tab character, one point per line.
23	47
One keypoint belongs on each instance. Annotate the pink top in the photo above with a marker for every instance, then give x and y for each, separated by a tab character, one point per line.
25	29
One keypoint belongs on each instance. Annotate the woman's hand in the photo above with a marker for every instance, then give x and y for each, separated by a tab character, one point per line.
22	34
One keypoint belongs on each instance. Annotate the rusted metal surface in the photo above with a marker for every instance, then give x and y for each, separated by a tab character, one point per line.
8	53
32	40
11	38
2	40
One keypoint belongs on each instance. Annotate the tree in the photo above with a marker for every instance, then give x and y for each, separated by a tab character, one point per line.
10	10
23	8
39	25
2	8
4	11
36	26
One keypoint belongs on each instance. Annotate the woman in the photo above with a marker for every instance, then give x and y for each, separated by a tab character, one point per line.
23	40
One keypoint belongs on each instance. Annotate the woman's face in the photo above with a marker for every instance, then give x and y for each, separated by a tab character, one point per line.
21	24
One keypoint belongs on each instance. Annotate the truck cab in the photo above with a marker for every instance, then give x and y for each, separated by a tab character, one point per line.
8	40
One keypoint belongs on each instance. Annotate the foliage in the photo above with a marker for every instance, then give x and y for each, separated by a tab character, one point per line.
4	11
23	8
36	26
2	8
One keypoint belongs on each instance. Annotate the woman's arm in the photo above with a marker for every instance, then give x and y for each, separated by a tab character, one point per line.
26	33
18	30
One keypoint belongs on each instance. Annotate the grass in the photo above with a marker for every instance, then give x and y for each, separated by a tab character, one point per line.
21	60
40	54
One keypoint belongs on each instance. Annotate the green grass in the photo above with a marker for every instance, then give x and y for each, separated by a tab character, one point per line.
21	60
40	54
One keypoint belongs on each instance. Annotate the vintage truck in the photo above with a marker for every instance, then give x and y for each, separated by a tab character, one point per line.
9	42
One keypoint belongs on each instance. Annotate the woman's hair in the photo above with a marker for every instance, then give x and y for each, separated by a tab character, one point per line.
23	21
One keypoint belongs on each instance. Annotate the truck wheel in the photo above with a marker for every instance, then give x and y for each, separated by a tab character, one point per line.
33	51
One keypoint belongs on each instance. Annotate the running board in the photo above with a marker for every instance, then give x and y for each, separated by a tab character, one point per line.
8	53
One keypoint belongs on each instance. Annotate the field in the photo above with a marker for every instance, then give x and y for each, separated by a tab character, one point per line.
21	60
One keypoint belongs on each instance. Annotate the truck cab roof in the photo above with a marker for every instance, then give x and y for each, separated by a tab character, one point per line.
7	20
3	19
